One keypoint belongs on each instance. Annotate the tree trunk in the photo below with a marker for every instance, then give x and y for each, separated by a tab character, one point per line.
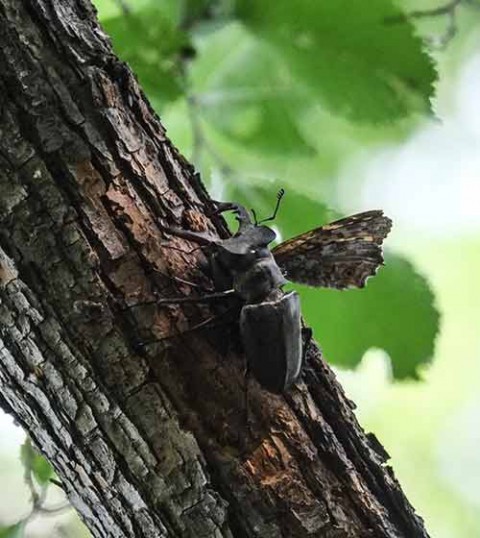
148	439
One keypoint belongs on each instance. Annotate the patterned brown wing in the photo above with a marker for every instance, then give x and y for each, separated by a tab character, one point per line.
339	255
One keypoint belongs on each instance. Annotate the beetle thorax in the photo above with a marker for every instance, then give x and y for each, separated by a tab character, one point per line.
259	280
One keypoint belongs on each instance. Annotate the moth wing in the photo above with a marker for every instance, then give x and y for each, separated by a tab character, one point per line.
342	254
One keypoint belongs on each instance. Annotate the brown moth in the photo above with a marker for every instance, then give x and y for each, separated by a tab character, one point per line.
342	254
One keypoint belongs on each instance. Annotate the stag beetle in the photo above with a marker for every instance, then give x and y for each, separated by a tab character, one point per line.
339	255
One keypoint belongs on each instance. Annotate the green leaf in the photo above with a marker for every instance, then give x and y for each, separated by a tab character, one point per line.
394	312
36	463
361	66
12	531
242	90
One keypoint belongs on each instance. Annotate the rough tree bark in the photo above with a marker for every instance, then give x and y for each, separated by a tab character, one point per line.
148	441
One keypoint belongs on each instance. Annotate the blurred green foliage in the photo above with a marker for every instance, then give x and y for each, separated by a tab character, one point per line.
242	90
35	464
38	475
12	531
348	53
151	41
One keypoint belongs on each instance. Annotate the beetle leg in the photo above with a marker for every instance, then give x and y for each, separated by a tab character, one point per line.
307	335
246	404
191	284
182	250
167	274
178	300
200	299
202	238
141	344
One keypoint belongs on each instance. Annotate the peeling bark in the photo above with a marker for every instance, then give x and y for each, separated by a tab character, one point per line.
148	440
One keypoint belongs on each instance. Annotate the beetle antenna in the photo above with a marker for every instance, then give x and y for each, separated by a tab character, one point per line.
254	214
280	195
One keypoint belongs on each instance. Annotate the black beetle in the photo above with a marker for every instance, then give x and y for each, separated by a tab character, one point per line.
339	255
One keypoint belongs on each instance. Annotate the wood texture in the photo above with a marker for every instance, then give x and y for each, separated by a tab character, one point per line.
148	440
